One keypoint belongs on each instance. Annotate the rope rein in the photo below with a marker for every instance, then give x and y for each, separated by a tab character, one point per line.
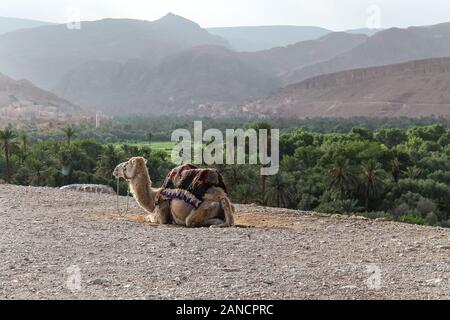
122	213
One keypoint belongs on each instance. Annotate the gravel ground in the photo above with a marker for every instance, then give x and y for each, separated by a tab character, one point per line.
72	245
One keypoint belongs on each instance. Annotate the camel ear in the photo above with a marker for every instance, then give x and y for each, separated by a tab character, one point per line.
145	160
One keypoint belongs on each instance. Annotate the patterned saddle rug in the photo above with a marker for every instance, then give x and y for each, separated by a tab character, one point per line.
190	184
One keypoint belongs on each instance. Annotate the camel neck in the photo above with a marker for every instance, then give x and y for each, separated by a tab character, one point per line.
141	188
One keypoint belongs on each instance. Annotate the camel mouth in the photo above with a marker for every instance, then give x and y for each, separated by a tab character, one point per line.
119	171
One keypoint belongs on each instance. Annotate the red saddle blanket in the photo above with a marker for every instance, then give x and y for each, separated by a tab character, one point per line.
196	181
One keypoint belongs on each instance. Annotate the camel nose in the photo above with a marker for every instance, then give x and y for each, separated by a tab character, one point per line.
117	171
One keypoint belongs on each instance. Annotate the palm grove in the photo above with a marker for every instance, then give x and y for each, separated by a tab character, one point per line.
392	173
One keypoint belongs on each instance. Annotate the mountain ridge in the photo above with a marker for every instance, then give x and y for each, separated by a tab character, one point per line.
44	56
9	24
390	46
416	88
173	65
256	38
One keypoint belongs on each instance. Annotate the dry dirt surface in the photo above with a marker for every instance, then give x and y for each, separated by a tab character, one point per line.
72	245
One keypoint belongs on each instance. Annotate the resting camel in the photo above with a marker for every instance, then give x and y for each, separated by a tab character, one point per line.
215	210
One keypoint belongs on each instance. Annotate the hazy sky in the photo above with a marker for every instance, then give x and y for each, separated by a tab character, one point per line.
333	14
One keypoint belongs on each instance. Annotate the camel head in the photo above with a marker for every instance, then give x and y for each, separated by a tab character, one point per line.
129	169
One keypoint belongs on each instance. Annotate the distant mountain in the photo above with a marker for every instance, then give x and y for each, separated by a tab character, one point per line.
13	24
172	65
366	31
109	86
201	78
195	78
413	89
283	61
219	78
22	102
44	55
385	47
267	37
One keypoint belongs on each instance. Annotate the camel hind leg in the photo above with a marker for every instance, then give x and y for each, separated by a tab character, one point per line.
228	210
206	215
225	204
219	195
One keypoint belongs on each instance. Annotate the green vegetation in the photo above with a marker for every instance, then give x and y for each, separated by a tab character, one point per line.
136	129
163	146
399	172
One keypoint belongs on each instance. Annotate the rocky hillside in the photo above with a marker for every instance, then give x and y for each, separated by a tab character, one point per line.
214	81
51	237
418	88
203	79
21	103
389	46
281	62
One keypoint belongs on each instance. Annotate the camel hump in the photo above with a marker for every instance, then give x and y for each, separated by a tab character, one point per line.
195	180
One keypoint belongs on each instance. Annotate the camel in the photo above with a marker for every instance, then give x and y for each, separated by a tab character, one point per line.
215	210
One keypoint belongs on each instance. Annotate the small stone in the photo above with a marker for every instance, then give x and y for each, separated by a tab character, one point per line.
434	282
99	282
349	287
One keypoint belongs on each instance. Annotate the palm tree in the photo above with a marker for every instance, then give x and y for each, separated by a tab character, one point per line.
349	206
371	181
413	172
149	136
38	168
70	133
108	160
7	137
279	191
395	170
24	140
232	173
342	179
264	126
244	193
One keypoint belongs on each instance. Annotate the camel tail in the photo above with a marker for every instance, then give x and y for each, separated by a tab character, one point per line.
228	211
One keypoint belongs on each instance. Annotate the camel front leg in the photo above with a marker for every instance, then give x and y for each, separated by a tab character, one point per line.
161	215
